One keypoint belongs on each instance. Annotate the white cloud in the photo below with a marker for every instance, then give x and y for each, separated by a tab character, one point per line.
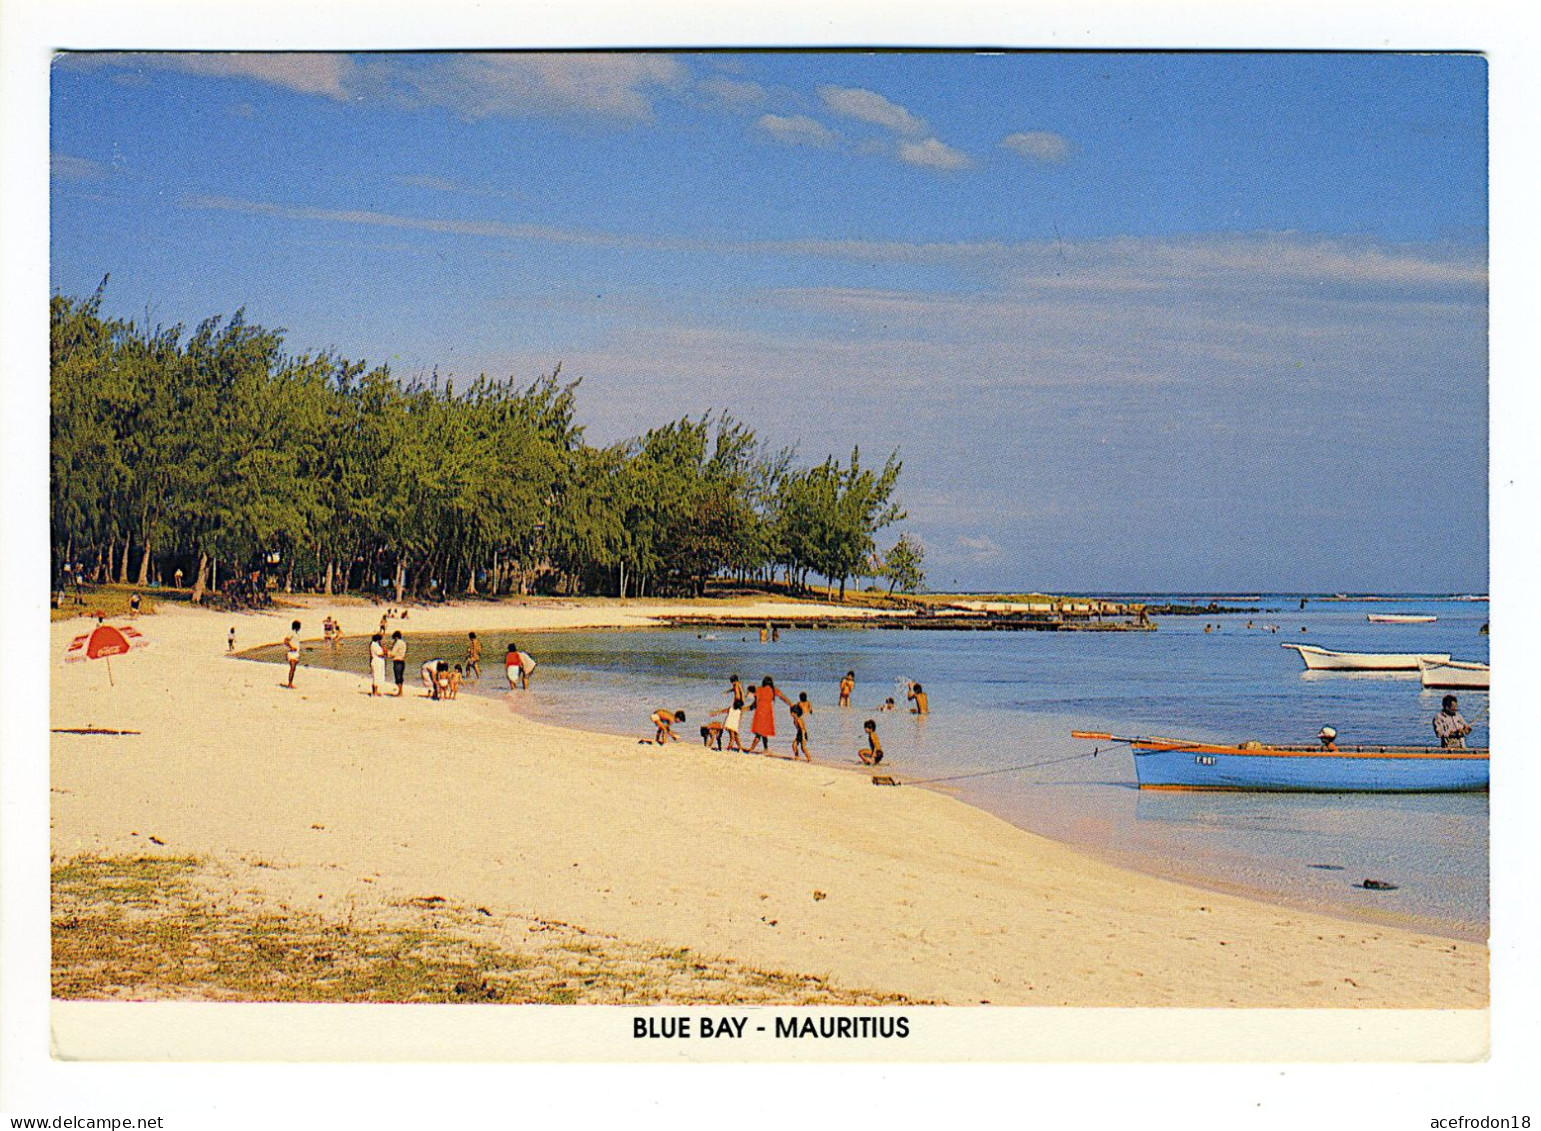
600	84
796	129
474	85
304	72
733	92
871	107
1038	145
1257	265
978	548
63	167
933	154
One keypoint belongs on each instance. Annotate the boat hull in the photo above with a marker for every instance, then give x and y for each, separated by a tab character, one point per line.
1325	660
1471	677
1192	766
1400	618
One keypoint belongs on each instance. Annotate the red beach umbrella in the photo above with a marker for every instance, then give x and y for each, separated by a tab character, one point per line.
103	642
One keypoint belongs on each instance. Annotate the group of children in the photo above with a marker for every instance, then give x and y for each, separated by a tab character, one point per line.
761	701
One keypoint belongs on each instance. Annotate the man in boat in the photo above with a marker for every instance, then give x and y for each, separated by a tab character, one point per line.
1449	726
1329	738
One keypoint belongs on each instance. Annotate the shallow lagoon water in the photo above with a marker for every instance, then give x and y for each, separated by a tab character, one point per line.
1009	699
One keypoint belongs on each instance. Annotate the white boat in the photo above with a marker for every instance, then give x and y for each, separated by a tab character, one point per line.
1400	618
1455	673
1325	660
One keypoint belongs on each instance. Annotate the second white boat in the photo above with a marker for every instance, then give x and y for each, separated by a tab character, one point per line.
1324	660
1456	674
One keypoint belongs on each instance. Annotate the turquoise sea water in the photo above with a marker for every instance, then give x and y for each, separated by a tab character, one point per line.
1010	699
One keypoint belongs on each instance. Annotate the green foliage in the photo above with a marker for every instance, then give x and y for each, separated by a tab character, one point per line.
218	447
903	565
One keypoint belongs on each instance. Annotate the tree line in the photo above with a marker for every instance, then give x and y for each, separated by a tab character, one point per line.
216	452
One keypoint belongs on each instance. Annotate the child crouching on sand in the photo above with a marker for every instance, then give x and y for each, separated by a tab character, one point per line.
663	722
873	754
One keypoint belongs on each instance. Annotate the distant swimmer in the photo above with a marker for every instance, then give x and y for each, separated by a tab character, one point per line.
1449	727
847	685
888	704
917	695
873	753
1329	738
663	724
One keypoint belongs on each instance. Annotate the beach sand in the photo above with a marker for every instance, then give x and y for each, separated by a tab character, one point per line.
326	799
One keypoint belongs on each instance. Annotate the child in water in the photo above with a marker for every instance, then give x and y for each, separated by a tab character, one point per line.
663	721
873	754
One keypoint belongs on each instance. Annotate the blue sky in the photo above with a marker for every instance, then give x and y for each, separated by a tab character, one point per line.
1154	321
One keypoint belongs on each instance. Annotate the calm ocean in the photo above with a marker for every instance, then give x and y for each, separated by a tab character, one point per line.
1006	699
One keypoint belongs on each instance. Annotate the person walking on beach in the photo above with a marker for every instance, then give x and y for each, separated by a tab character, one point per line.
1450	728
292	650
513	667
376	663
800	711
731	721
847	685
473	663
230	640
873	754
763	724
398	661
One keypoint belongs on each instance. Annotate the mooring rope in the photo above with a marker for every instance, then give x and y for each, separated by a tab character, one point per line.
1012	769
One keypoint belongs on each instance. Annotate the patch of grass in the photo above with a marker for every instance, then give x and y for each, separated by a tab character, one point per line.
111	601
162	928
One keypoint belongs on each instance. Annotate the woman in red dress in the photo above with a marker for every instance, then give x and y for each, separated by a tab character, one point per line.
763	725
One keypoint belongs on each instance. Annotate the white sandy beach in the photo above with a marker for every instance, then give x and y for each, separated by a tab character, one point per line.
332	800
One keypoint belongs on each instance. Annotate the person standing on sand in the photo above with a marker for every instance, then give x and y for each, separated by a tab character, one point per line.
230	640
800	712
292	650
398	661
473	664
763	725
133	605
177	578
847	685
376	663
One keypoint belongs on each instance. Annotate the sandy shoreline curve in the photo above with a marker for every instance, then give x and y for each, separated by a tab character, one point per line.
332	800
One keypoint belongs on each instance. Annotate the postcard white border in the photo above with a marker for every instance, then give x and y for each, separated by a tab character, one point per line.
313	1095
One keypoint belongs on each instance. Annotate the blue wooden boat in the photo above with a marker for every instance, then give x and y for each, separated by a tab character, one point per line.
1170	763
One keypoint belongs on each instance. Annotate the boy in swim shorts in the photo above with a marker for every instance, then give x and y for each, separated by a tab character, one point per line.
873	754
